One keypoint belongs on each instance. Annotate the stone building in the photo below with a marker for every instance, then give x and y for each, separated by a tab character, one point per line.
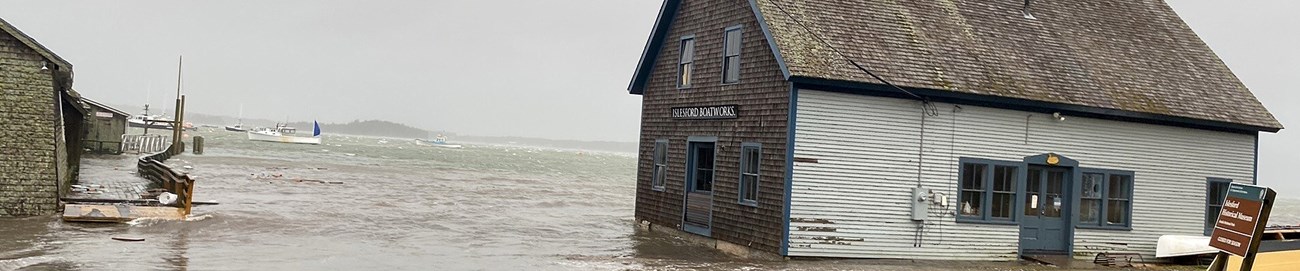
40	125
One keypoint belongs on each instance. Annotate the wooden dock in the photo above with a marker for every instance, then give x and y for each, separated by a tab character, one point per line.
153	169
118	213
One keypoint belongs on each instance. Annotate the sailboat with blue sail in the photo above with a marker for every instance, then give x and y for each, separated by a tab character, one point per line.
282	133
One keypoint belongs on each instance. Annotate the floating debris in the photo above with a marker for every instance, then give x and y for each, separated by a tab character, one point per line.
128	239
315	181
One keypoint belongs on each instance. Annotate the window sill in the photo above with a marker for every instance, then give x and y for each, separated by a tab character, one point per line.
730	83
749	203
1109	228
657	188
990	222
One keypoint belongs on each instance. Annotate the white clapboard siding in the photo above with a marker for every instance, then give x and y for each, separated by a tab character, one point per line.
854	201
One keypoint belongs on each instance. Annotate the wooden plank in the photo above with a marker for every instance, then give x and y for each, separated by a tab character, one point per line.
117	213
1270	261
130	201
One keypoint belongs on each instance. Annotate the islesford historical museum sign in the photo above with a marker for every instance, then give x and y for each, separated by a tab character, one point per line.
1241	221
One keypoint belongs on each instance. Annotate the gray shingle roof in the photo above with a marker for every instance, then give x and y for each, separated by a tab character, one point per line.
1136	56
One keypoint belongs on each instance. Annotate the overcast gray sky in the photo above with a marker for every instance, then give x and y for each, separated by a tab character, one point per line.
552	69
1259	41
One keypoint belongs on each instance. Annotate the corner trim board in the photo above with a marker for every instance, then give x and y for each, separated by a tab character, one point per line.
791	123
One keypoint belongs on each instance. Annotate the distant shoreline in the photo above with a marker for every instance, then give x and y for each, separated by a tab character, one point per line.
626	148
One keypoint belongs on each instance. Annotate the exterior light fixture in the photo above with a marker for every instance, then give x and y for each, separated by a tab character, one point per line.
1025	11
1058	117
45	66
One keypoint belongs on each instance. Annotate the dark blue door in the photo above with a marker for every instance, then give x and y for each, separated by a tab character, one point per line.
699	188
1044	227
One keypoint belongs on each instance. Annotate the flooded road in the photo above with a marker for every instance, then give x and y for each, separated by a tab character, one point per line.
398	207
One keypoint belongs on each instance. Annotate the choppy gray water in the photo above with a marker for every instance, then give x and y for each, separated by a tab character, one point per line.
400	207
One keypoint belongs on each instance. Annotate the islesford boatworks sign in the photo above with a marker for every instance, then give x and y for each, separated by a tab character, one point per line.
706	112
1244	213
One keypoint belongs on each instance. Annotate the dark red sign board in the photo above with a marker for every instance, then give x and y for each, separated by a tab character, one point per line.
1242	216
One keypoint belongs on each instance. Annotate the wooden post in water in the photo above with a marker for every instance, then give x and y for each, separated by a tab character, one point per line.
180	100
180	120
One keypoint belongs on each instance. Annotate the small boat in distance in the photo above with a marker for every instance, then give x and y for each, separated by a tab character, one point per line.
282	133
439	141
239	126
236	128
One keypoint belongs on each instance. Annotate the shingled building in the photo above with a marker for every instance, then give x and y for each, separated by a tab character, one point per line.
980	130
40	125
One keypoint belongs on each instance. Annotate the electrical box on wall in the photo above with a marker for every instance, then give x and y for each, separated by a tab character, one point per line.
920	203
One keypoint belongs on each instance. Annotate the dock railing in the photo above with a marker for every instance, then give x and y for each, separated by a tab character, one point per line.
151	167
146	143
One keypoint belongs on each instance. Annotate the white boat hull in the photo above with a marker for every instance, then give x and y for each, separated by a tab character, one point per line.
283	138
1183	245
420	142
155	125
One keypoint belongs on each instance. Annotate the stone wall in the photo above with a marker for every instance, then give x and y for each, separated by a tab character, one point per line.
28	126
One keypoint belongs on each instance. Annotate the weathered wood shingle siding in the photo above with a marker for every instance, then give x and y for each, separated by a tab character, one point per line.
763	97
855	200
28	127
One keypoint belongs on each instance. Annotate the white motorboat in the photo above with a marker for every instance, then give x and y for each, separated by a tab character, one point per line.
440	141
149	121
236	128
284	134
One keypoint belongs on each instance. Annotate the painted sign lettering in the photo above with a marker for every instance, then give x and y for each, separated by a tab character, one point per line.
706	112
1241	217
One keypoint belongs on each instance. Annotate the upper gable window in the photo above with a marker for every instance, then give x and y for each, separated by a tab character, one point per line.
686	63
731	56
